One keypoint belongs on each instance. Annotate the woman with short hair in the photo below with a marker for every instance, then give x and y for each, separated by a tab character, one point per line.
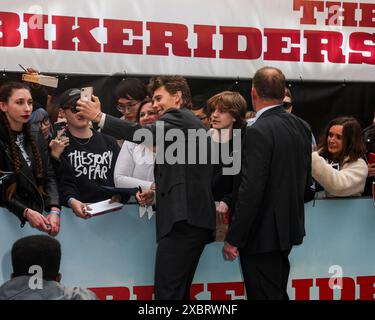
40	117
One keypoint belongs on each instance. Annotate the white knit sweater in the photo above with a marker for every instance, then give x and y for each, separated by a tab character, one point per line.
348	181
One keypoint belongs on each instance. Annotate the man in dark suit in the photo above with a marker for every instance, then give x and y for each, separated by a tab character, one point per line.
185	217
268	218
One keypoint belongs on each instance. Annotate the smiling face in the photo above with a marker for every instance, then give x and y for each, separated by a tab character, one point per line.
148	114
18	108
335	140
163	100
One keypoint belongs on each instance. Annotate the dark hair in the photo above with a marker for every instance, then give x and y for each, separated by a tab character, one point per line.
172	84
7	88
69	98
6	92
40	250
200	103
288	94
145	101
231	102
131	89
269	83
353	146
53	108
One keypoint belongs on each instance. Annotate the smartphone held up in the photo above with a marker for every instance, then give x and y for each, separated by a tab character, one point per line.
86	93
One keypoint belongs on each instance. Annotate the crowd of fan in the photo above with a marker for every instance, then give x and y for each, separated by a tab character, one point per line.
85	159
71	162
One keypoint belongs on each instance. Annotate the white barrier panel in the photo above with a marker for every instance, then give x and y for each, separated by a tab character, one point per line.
114	255
318	40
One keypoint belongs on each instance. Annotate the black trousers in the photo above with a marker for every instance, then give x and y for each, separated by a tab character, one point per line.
177	258
265	275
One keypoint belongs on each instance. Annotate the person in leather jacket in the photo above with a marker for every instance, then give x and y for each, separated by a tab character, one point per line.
28	186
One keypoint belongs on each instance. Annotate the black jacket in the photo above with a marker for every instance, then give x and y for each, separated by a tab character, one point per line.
183	191
223	185
27	194
276	171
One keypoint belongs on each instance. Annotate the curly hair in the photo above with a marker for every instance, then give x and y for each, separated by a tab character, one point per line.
172	85
6	92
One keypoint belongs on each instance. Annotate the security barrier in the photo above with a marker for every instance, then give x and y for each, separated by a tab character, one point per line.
113	254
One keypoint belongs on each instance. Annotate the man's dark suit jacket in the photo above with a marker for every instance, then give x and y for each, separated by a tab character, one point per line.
276	171
183	191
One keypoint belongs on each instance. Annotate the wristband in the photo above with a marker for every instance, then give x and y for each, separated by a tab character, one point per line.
55	212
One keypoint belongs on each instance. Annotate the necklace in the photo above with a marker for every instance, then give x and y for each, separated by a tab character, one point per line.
84	143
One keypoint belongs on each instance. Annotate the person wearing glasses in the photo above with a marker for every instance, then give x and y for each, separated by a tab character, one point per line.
40	117
87	163
130	93
199	108
30	188
135	163
287	102
57	142
288	107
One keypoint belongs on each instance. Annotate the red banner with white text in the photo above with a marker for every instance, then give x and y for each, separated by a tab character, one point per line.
307	39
